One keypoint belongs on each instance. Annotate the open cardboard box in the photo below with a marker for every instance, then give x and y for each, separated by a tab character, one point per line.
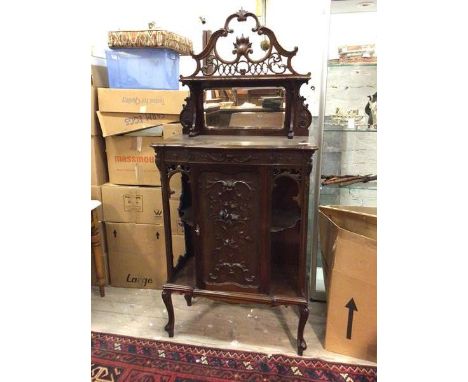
121	123
348	242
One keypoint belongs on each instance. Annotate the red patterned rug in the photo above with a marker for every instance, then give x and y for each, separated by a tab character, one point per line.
124	359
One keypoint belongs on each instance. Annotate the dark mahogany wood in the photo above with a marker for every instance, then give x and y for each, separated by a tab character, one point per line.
303	316
167	298
245	192
188	298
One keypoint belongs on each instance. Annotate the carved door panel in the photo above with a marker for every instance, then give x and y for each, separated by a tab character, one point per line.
229	209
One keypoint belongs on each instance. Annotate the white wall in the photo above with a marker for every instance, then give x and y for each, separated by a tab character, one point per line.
352	28
179	16
305	28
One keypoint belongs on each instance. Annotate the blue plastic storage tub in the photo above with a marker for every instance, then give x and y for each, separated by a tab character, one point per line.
145	68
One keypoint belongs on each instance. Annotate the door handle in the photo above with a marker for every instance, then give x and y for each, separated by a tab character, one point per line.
197	229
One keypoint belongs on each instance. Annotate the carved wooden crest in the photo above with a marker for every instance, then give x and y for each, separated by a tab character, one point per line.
276	60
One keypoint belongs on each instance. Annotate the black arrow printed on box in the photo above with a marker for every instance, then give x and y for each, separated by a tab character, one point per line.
351	305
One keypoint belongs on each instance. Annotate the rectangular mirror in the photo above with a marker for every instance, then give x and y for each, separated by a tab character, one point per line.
244	108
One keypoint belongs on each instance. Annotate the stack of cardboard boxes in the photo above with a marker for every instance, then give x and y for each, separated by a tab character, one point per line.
131	120
99	173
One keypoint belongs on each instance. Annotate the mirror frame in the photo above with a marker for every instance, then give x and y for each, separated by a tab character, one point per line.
236	110
274	69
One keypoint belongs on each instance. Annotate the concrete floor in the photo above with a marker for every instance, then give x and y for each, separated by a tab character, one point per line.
141	313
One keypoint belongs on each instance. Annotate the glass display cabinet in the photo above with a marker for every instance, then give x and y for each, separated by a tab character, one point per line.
346	172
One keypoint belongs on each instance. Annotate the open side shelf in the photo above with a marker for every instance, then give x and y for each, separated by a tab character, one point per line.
284	219
281	287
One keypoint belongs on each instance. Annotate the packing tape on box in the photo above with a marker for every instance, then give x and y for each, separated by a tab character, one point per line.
139	143
137	173
133	213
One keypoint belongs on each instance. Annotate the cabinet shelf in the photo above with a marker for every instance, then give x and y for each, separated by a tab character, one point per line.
355	186
284	219
338	64
346	130
280	286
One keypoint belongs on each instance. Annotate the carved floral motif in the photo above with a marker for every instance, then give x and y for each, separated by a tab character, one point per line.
231	207
276	60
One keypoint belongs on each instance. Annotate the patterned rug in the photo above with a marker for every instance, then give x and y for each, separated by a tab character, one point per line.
124	359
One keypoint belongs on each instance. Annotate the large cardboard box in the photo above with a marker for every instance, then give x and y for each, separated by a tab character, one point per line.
348	240
138	204
121	123
95	128
99	173
137	257
131	159
177	226
141	100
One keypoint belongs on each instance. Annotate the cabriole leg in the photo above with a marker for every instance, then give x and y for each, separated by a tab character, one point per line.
167	298
188	298
303	316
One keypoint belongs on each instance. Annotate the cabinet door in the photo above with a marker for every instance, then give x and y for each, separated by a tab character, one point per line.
229	210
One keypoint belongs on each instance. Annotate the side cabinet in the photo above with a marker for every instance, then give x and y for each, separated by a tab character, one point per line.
245	158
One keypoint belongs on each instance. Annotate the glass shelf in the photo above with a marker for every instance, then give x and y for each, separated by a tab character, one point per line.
355	186
346	130
333	64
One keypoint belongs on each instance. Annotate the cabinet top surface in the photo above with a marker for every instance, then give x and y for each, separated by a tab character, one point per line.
239	142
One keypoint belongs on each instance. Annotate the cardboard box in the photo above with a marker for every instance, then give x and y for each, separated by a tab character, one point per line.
120	123
138	204
348	240
99	173
96	195
178	248
132	204
141	100
177	226
99	76
137	257
131	159
98	79
95	127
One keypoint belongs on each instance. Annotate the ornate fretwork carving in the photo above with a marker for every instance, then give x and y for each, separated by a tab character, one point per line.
304	117
226	157
231	206
187	116
276	60
174	168
277	158
293	173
